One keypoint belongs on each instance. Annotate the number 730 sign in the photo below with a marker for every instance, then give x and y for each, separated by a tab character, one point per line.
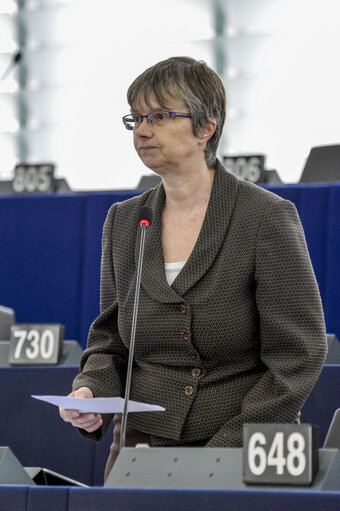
32	344
280	453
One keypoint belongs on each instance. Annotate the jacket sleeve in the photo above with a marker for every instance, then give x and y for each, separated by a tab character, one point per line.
291	321
103	363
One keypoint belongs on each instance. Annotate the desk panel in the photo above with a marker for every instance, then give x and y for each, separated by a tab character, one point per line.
14	498
138	499
41	254
207	500
48	498
332	309
36	434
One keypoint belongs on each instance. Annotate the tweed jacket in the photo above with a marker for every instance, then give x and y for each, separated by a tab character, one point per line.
238	337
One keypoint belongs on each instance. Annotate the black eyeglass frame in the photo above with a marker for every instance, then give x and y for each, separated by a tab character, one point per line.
141	117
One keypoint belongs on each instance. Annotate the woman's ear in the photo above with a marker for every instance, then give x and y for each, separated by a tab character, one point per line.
207	131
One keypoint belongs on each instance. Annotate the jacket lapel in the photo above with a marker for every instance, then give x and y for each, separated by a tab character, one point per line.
213	231
153	271
206	249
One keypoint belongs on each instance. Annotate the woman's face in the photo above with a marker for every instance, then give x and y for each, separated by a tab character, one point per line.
169	147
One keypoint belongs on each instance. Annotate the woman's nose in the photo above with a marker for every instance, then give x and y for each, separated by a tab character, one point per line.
143	128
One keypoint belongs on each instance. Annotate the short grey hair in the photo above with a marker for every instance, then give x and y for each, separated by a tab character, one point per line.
192	81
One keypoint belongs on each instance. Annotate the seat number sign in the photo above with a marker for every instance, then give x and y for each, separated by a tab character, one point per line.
35	344
29	178
280	454
247	167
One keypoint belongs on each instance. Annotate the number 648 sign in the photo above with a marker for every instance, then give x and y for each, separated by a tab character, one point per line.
35	343
280	453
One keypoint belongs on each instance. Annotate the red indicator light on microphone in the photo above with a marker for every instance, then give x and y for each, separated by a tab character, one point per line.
145	216
144	221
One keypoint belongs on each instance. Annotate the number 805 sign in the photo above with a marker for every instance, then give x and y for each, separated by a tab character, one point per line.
35	343
280	453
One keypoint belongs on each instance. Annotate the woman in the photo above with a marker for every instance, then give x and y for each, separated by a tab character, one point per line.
230	324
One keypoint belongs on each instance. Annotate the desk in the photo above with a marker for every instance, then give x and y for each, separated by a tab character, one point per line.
51	248
38	437
28	498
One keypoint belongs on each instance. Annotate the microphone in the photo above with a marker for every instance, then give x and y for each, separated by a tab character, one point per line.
14	61
144	220
145	216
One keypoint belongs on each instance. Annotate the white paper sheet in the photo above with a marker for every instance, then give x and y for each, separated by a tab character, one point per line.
99	404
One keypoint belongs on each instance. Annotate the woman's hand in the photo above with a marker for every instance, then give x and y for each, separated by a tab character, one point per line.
88	421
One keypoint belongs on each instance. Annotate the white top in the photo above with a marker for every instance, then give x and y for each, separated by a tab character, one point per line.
172	270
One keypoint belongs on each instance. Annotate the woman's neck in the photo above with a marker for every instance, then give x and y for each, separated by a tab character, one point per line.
188	190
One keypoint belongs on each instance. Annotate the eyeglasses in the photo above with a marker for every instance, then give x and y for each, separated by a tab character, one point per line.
158	118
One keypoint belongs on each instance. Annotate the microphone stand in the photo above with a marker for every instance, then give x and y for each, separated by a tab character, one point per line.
133	336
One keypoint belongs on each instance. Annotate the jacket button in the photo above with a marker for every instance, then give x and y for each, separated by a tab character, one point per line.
185	334
191	354
183	309
188	390
196	372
